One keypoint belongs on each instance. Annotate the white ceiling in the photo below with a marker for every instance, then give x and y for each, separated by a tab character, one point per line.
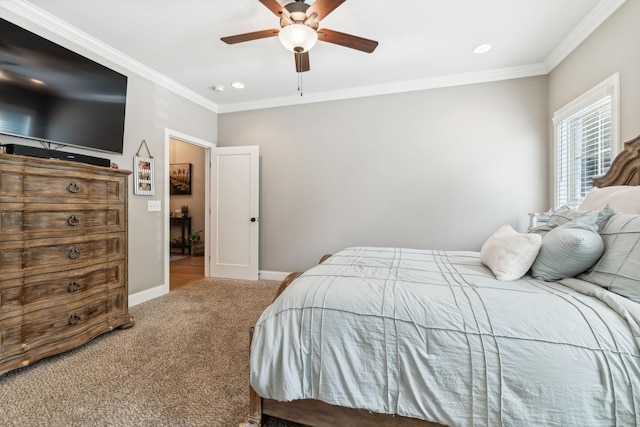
422	44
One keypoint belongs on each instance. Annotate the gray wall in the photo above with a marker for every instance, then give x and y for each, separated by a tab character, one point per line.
150	110
613	47
436	169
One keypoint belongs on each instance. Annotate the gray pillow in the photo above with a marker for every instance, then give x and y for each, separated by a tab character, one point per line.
569	249
565	214
619	268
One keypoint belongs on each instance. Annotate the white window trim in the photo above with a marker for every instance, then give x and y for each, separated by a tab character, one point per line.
610	87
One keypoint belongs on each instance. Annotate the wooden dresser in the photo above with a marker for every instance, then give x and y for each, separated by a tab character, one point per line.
63	256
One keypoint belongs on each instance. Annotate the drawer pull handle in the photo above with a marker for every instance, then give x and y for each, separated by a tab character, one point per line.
74	253
73	220
74	319
74	188
73	287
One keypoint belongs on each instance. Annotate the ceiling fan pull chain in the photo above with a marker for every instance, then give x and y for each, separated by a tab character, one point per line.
300	83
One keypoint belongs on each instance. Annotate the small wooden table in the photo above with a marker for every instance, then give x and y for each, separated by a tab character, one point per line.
185	225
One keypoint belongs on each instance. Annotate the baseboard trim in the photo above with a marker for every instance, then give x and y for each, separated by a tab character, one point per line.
272	275
158	291
147	295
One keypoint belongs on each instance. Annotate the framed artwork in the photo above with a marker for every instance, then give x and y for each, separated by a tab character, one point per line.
143	175
180	179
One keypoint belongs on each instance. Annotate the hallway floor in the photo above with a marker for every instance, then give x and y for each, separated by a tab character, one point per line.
186	271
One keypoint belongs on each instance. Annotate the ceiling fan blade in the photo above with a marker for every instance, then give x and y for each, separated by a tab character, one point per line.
302	62
275	7
347	40
239	38
323	7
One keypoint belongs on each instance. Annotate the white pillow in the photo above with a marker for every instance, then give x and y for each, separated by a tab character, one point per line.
621	198
510	254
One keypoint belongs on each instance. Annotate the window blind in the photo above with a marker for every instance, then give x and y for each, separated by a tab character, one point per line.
583	151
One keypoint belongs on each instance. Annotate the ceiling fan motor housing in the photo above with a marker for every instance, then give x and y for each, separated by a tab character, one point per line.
297	13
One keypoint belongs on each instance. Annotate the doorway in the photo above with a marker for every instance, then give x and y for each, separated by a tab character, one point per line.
187	201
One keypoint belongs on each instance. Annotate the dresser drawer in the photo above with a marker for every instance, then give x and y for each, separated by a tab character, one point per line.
36	181
22	295
19	221
72	319
50	331
30	257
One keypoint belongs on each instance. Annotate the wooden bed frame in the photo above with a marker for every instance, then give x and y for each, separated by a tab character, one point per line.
624	170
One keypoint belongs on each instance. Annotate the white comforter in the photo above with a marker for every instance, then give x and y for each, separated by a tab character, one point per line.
433	335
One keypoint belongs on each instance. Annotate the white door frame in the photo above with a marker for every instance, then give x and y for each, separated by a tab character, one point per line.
207	145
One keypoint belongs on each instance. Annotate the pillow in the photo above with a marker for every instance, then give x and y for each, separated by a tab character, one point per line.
619	268
621	198
509	254
565	214
569	249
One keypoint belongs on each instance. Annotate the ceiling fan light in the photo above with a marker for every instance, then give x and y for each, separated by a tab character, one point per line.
298	37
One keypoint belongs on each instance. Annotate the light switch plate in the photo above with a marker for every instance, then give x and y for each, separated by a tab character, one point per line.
154	206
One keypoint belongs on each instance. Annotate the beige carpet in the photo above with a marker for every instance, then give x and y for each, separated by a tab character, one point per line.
184	363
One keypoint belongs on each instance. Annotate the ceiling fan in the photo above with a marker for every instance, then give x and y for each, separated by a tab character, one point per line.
299	31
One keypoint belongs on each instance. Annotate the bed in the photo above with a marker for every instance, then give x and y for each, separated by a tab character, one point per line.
434	338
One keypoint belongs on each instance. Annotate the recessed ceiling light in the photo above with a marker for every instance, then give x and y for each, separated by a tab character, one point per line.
238	85
482	48
218	88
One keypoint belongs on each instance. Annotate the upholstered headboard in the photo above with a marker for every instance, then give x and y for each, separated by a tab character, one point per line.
625	168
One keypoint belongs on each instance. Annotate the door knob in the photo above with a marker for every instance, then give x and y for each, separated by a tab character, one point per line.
254	219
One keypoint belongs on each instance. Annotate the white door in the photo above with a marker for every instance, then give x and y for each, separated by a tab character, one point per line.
234	212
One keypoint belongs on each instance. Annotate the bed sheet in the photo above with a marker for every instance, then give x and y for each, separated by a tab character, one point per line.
433	335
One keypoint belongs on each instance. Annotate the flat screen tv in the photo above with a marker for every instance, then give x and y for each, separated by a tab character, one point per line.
51	94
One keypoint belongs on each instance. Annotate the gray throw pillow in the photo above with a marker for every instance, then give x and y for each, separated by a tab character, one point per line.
619	268
569	249
565	214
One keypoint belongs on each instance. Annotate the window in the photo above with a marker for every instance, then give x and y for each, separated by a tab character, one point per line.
15	120
586	139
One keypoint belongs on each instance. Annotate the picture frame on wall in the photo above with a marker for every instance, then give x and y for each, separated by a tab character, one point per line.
180	179
143	174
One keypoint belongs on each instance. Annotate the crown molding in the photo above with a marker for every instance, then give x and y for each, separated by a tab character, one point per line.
392	88
600	13
52	23
49	22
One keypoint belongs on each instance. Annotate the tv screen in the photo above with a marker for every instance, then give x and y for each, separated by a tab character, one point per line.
51	94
